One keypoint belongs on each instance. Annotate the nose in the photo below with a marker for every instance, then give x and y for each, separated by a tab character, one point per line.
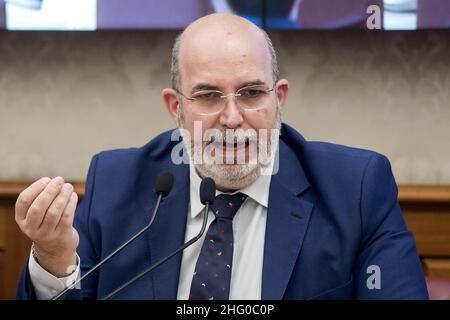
231	116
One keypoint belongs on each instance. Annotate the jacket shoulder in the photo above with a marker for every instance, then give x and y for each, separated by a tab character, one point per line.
336	150
325	151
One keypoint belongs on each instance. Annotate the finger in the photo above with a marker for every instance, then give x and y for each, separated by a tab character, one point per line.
54	212
68	215
27	197
37	210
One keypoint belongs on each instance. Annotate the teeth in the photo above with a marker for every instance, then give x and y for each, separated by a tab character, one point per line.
234	148
230	147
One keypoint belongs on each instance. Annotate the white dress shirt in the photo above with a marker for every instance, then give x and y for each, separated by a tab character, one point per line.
249	227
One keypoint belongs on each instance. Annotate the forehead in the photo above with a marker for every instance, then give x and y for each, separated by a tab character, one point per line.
224	59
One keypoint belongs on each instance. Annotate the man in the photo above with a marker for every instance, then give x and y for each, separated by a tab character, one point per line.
322	224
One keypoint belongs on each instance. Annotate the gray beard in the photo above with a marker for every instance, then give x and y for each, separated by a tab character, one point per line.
228	176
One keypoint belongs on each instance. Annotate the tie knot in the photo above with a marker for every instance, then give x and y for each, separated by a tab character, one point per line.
226	205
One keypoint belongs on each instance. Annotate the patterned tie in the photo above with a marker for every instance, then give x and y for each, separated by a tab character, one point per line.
211	280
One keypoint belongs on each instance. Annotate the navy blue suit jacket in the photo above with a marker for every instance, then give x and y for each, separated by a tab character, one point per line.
332	213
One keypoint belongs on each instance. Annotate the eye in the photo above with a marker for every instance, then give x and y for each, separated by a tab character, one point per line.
251	93
208	95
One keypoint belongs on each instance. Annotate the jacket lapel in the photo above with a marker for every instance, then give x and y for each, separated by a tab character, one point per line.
288	216
167	235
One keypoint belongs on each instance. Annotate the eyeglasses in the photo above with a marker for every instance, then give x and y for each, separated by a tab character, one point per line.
213	101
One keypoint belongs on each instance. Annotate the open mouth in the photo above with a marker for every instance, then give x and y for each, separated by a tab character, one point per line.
231	149
228	147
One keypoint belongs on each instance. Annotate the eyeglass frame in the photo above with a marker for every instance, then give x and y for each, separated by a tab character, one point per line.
225	96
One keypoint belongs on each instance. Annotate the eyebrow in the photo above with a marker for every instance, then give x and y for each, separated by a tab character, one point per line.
252	83
203	86
206	86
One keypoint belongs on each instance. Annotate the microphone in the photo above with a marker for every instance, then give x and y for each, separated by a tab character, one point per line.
162	188
207	195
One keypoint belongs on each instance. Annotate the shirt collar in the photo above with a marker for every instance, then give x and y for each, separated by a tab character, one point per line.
258	190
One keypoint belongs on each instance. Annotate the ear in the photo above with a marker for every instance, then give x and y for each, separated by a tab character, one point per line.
282	88
170	98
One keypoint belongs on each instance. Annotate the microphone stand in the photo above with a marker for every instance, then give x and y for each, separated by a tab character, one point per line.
160	262
126	243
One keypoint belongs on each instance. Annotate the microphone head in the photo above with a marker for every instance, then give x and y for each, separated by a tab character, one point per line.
207	191
164	183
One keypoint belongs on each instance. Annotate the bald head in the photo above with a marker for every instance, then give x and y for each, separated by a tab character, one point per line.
222	23
222	40
225	77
